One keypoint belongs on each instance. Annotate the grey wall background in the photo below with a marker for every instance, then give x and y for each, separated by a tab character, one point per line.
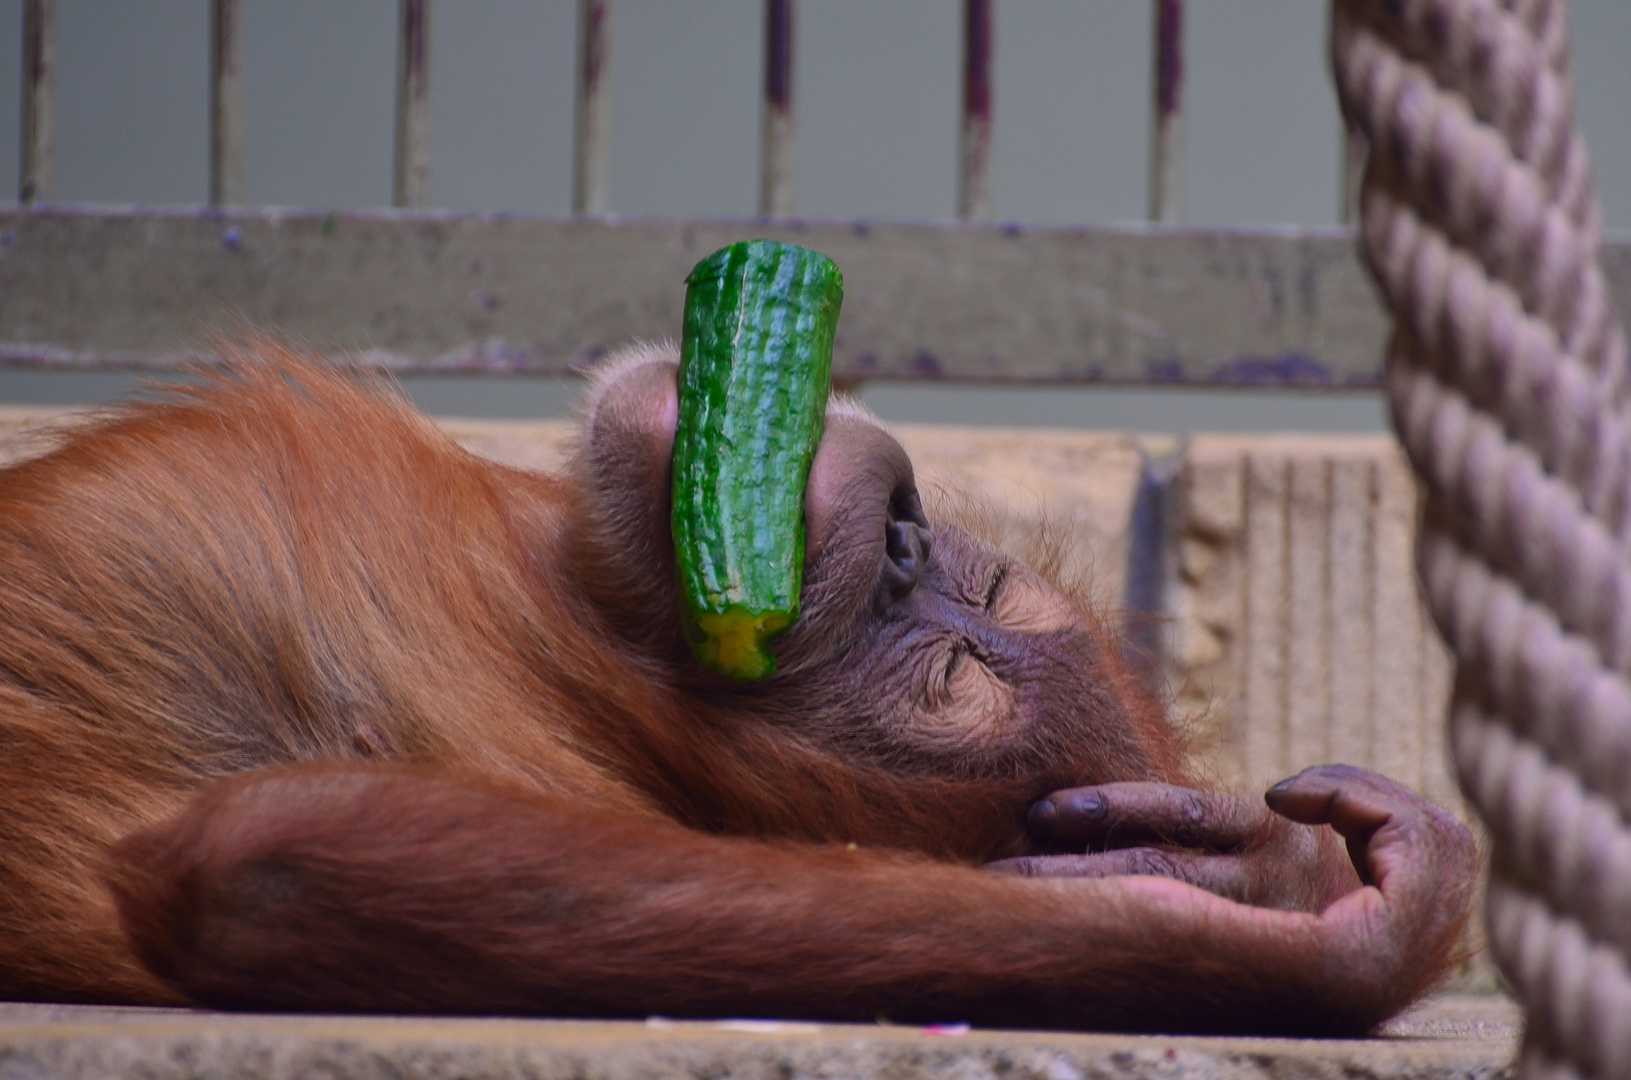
876	97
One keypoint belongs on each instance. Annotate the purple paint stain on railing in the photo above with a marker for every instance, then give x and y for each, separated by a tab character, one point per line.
37	29
779	54
39	34
1293	369
1169	56
588	356
925	364
1167	370
594	57
226	57
977	59
413	31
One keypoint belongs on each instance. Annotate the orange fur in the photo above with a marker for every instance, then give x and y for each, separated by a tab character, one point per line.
286	564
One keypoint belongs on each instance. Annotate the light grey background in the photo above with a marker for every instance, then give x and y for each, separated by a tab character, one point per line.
876	100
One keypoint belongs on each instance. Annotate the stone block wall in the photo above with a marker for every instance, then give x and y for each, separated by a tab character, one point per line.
1297	635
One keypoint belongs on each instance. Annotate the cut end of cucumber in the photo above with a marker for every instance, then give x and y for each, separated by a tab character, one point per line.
733	642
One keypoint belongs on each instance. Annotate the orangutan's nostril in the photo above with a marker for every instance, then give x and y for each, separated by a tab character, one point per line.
902	543
906	543
906	506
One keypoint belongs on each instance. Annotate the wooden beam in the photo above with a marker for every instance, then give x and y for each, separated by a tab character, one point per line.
492	293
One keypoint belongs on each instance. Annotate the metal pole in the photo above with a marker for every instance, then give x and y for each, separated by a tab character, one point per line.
411	180
226	104
37	158
776	140
591	146
1167	131
974	140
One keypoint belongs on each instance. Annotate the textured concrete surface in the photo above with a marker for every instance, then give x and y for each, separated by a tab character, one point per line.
1454	1039
26	430
1297	634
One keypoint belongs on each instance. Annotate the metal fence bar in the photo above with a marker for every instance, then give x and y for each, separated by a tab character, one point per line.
411	182
1167	134
226	103
37	159
776	140
974	138
591	146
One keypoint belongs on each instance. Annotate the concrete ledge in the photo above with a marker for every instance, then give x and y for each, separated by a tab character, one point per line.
1457	1038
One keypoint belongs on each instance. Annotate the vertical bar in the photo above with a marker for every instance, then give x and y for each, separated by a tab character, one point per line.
590	151
411	180
974	141
1354	722
37	160
1266	628
1148	544
1353	172
1396	672
1167	131
1309	622
226	104
776	139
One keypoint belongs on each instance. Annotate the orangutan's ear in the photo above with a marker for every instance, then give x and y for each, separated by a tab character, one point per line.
623	468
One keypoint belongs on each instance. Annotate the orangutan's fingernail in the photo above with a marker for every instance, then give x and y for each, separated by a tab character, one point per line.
1042	815
1089	805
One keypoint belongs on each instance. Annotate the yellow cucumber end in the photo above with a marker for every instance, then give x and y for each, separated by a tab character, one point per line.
733	641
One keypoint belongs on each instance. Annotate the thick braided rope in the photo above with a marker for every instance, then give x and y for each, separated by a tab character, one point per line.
1508	383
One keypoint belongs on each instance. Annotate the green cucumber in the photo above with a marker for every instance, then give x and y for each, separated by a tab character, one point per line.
755	372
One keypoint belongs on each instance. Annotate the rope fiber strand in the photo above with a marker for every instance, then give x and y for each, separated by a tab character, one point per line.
1507	380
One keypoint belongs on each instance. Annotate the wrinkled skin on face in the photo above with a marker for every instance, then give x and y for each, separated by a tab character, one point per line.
920	648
